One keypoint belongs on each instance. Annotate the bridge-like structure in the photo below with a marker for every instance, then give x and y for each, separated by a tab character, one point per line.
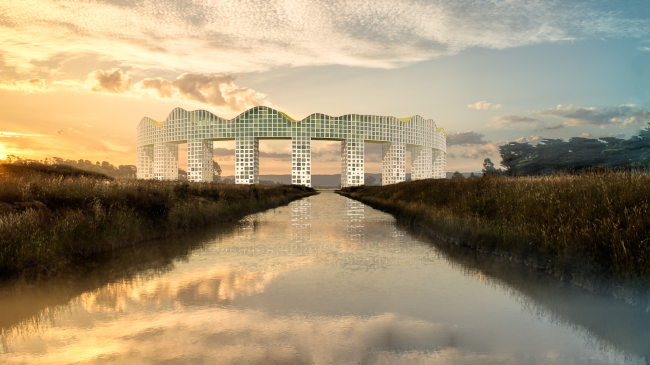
157	144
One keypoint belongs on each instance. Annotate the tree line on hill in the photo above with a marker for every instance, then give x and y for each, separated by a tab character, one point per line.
578	153
104	167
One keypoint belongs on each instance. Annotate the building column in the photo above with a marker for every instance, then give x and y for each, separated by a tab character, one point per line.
199	160
439	164
421	167
247	160
301	160
392	163
352	163
165	161
144	162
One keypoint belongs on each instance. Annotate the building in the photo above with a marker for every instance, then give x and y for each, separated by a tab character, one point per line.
157	144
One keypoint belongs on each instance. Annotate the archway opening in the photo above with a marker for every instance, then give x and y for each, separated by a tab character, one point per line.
372	163
325	164
275	161
223	153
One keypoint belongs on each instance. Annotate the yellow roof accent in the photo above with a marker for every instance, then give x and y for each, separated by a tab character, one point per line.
159	124
405	119
288	117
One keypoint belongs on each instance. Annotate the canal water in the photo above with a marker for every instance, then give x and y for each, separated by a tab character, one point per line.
325	280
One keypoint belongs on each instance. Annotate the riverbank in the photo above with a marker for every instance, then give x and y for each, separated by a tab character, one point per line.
576	227
47	220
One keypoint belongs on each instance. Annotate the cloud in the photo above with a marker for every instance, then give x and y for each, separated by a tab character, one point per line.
276	155
619	115
28	86
531	140
510	121
72	83
484	105
551	126
216	89
465	138
615	135
489	149
213	89
644	49
255	35
60	131
4	134
112	81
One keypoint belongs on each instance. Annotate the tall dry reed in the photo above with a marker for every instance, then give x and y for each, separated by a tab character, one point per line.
597	222
81	216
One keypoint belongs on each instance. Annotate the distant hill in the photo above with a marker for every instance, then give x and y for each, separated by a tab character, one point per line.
466	174
57	170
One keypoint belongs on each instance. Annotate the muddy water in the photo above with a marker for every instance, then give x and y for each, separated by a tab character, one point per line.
323	280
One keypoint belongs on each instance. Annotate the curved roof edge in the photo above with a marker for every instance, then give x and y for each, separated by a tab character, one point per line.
160	124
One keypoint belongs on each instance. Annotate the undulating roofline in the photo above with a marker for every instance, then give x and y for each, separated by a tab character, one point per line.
405	120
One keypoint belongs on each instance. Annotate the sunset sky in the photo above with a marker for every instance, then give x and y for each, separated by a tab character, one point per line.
76	77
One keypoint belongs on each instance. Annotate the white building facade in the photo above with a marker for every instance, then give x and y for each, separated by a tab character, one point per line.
157	144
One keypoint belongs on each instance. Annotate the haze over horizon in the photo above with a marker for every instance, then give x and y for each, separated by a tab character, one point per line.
76	77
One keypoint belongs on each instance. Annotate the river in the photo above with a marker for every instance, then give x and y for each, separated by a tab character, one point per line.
325	280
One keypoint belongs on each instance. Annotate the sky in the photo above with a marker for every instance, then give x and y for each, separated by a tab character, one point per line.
76	77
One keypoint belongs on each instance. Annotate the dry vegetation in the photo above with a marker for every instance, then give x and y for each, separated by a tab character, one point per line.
49	218
592	223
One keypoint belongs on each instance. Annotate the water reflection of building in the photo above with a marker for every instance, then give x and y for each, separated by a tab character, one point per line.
301	221
246	229
354	222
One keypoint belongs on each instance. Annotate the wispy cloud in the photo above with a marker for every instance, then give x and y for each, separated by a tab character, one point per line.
549	127
4	134
489	149
510	121
608	135
28	86
251	35
619	115
465	138
532	139
484	105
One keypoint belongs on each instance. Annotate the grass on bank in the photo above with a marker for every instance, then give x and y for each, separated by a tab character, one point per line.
592	223
48	219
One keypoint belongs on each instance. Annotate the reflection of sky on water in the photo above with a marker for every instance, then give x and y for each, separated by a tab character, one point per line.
326	279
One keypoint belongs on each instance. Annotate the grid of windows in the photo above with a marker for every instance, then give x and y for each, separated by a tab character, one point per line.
200	128
165	161
301	160
439	164
247	160
421	166
199	160
145	162
352	162
392	161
